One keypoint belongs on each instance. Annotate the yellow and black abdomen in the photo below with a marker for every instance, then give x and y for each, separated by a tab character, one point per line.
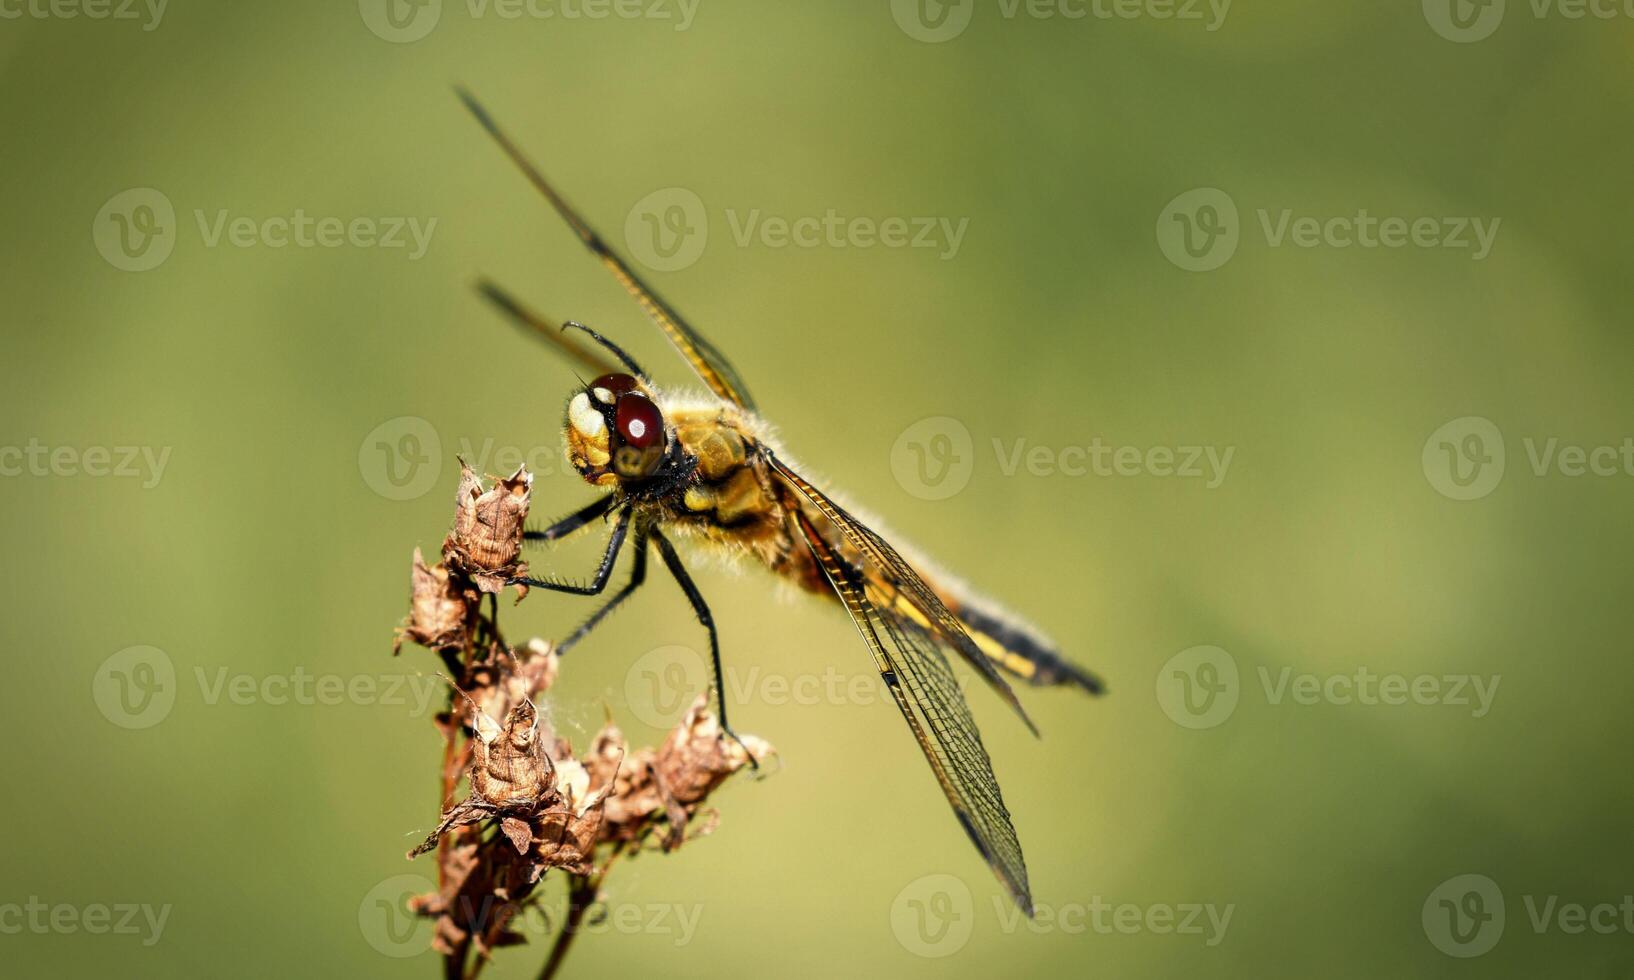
1019	651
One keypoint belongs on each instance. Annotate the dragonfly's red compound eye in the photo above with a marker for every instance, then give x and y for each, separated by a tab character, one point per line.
614	384
638	420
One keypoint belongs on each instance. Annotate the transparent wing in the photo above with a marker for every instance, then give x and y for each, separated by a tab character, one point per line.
907	649
710	364
899	591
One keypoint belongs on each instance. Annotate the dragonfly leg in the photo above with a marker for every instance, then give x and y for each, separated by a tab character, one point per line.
572	522
603	572
672	561
638	575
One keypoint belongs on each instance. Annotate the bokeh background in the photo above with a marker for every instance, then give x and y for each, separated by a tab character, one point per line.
1364	393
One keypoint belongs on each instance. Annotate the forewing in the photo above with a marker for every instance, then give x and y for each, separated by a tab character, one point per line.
927	693
710	364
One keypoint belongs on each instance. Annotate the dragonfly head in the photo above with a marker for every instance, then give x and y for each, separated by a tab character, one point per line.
615	432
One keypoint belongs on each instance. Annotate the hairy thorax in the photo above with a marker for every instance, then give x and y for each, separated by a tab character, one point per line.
732	502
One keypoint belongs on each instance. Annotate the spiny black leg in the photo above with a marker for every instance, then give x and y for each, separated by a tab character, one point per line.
638	574
603	573
572	522
701	609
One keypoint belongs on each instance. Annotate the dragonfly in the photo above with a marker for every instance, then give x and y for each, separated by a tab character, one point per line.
707	470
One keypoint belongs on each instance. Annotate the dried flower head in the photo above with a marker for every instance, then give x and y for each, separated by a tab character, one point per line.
532	805
486	541
439	609
663	790
697	756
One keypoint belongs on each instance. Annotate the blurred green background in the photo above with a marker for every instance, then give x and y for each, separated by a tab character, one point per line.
270	546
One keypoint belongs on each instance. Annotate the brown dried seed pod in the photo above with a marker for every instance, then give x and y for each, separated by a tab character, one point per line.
486	541
509	765
696	758
440	612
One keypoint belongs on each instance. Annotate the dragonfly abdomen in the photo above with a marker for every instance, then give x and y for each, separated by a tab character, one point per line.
1021	653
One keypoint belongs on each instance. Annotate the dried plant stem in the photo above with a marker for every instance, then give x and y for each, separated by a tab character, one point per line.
582	893
530	803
